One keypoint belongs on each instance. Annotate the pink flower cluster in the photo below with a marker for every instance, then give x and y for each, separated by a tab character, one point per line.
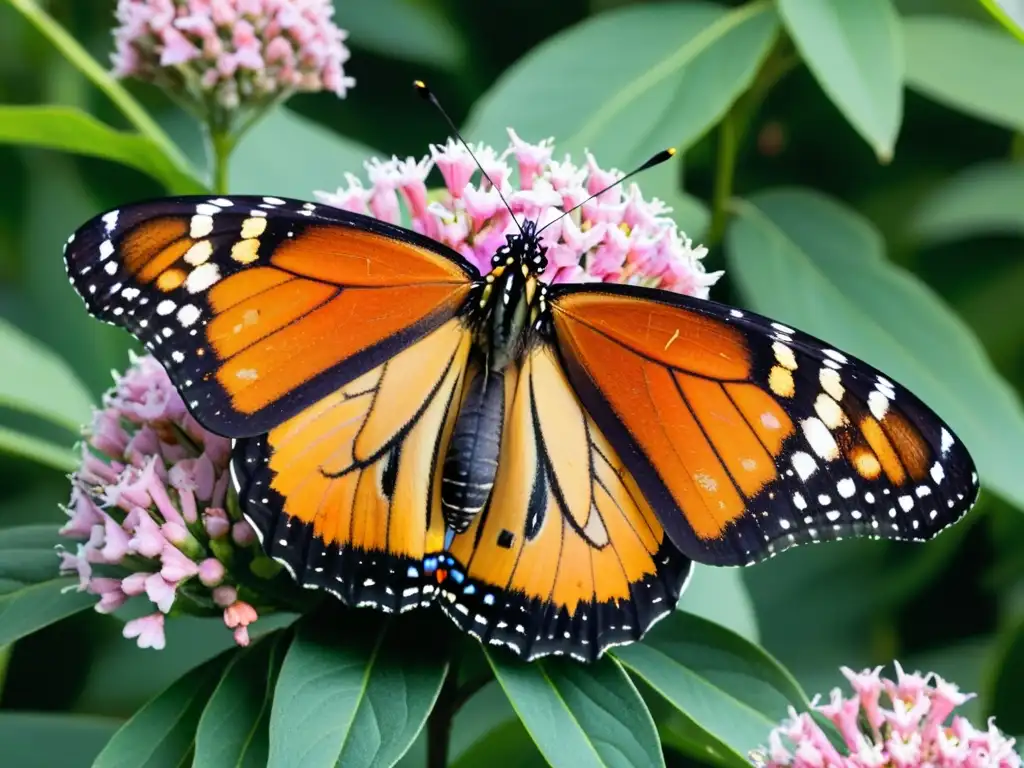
895	724
617	237
148	507
232	52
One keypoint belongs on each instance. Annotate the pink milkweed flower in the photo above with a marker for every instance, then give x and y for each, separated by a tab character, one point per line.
890	724
147	504
231	55
619	237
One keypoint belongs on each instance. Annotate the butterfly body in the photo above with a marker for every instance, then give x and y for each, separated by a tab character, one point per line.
545	462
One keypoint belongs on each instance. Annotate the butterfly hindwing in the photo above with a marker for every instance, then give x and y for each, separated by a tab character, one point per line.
258	306
747	436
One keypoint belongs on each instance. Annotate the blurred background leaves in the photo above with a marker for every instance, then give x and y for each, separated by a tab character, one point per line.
858	169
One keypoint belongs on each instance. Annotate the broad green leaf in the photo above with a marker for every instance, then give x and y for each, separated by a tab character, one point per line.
1010	14
1001	693
726	687
400	694
983	78
38	382
811	263
104	80
689	213
68	129
163	732
289	156
32	595
719	595
579	715
233	729
38	450
627	82
29	609
354	689
53	740
856	53
401	29
507	744
983	200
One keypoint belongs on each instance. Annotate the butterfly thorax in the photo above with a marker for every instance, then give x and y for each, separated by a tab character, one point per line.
508	314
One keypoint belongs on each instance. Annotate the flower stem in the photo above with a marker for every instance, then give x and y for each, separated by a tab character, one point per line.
728	141
439	724
221	144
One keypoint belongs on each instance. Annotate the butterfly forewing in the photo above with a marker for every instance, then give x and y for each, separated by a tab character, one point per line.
258	307
748	437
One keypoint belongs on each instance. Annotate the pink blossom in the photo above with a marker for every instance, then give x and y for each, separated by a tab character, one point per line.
176	566
225	596
243	534
161	591
619	237
149	630
232	53
211	572
216	522
111	595
895	724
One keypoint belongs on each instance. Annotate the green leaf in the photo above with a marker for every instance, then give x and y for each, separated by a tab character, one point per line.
507	744
353	686
579	715
983	200
53	740
719	595
400	29
316	159
44	385
856	53
38	450
689	212
100	77
1001	697
982	79
626	82
1010	14
233	730
809	262
32	595
68	129
163	732
730	692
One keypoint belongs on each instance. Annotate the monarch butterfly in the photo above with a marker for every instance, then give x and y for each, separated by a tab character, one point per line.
545	461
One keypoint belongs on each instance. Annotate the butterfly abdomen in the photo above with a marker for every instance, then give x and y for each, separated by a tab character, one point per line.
472	460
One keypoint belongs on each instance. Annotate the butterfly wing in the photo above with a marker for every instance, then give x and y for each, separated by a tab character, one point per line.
748	437
260	307
346	493
567	558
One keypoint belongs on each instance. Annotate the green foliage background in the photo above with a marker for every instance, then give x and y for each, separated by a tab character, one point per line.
857	167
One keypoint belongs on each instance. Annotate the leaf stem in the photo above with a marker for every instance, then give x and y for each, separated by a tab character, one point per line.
220	144
725	169
439	724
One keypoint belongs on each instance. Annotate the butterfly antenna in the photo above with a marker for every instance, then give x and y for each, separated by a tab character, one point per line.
427	95
657	159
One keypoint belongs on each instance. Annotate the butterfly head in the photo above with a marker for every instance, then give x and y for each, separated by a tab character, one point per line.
523	250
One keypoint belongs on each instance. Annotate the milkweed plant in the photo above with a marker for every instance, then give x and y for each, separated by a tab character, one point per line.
256	671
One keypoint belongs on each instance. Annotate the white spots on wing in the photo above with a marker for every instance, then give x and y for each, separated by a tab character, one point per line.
206	209
202	277
770	420
846	487
199	253
110	268
820	439
886	387
938	473
177	356
946	441
784	356
906	503
829	412
247	374
804	465
783	328
798	501
831	382
869	497
824	499
735	313
784	524
273	200
836	355
878	404
200	226
832	515
110	220
705	481
106	250
254	226
223	202
922	491
855	514
188	314
130	293
165	307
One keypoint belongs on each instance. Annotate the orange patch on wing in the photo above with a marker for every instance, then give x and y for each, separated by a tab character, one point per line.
671	335
298	352
244	285
910	445
170	279
744	456
883	450
149	241
349	256
763	413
